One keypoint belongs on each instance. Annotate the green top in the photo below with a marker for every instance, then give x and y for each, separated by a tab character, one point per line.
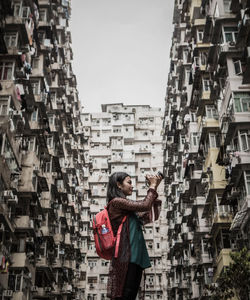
139	253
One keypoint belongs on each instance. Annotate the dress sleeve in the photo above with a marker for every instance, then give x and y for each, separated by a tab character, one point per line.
129	205
151	215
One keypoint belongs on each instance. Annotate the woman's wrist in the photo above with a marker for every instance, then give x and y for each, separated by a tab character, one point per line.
153	186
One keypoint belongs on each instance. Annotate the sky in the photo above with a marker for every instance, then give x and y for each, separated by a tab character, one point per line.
121	51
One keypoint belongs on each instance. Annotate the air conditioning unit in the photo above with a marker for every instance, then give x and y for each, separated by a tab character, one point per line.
223	214
8	194
234	190
13	199
40	217
36	169
34	288
7	293
48	289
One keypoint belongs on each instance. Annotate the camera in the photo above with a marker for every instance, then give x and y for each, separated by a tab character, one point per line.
159	174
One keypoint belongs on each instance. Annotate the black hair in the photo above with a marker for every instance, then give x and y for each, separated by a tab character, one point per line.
113	191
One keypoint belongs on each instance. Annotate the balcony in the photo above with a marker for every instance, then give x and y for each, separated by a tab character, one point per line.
223	260
24	223
235	120
199	201
196	175
20	260
67	239
56	290
58	238
205	259
19	296
81	284
242	216
221	219
208	125
57	263
42	262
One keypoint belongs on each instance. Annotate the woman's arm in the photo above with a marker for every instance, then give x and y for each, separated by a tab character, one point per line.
151	215
129	205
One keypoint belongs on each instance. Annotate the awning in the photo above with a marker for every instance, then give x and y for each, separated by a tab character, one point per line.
238	219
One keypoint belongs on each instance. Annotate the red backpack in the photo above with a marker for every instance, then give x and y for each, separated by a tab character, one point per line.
105	241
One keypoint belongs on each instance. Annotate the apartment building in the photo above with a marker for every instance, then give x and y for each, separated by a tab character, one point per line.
125	138
42	195
206	143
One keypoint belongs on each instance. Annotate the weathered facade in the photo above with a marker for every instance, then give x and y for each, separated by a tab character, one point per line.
207	142
125	138
42	233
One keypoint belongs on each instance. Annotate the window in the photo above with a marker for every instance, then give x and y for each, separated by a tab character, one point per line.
227	4
50	141
103	279
241	102
244	140
194	139
211	112
247	180
187	75
185	55
43	15
199	35
237	67
9	156
35	63
193	117
92	263
35	87
105	263
197	61
206	85
230	34
214	140
17	10
34	115
41	36
25	12
203	58
6	70
21	11
15	279
34	181
4	104
11	39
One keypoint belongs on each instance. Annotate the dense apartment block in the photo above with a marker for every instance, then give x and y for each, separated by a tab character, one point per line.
42	233
207	142
125	138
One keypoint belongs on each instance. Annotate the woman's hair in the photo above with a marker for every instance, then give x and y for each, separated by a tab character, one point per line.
113	191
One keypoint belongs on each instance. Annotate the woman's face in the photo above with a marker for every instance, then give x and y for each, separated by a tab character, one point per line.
126	186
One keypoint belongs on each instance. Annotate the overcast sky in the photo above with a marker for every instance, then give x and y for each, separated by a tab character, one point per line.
121	51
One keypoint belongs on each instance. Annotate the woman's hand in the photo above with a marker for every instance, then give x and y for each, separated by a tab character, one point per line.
154	181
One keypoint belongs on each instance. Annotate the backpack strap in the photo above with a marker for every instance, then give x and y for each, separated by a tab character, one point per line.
118	237
97	233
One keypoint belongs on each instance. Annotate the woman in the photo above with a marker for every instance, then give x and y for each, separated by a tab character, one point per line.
126	271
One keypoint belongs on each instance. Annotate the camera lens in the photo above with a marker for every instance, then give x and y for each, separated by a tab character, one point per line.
160	174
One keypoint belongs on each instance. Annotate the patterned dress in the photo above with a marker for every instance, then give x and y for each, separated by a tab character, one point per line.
118	208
